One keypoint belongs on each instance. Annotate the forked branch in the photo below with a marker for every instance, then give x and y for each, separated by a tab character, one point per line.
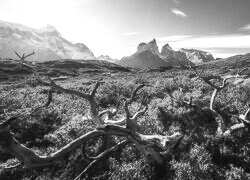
144	143
221	128
107	152
94	113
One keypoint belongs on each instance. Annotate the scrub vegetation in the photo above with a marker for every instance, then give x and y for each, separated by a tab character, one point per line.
179	123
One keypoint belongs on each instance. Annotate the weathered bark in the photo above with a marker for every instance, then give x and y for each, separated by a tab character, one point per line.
144	143
104	128
221	127
10	145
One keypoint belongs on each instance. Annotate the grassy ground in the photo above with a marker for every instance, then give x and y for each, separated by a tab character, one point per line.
204	157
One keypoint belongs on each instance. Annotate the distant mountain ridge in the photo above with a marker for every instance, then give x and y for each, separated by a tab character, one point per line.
197	56
47	43
148	56
107	58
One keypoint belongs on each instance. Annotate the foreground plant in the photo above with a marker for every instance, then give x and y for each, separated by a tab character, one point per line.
222	130
152	146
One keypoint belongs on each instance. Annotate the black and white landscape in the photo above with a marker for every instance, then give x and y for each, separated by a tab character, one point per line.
131	89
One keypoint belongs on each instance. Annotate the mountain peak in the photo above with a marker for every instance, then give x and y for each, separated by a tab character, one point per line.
197	56
151	46
153	42
167	46
166	50
5	24
106	58
47	28
46	42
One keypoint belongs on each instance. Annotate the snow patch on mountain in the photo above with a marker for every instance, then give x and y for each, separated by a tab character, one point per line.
106	58
197	56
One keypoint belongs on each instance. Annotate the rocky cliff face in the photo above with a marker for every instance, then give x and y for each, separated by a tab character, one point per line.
176	57
47	43
197	56
166	50
148	56
151	46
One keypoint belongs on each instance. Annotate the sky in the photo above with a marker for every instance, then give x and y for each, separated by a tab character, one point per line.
116	27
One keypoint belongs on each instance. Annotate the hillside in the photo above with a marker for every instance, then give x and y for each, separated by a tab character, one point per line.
170	120
143	60
47	42
11	70
230	62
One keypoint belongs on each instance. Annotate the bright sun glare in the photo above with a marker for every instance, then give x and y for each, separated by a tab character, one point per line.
73	23
39	12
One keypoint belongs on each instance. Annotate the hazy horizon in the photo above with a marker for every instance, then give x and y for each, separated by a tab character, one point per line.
115	28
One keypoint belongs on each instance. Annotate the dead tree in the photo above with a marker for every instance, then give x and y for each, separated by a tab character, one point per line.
150	145
222	130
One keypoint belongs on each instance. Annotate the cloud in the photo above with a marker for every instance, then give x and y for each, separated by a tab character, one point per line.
218	41
245	28
179	13
175	38
222	45
129	33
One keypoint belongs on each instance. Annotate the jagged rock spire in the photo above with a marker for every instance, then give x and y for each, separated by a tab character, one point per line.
151	46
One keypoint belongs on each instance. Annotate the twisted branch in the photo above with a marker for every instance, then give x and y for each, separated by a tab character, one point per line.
221	129
144	143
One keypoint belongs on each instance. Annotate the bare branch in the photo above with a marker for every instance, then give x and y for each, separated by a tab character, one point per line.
30	159
219	119
89	97
233	129
110	113
245	123
241	71
107	152
135	92
95	89
126	104
120	122
10	145
24	57
11	119
18	55
159	139
139	113
12	167
144	143
50	92
205	79
49	100
246	117
131	123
